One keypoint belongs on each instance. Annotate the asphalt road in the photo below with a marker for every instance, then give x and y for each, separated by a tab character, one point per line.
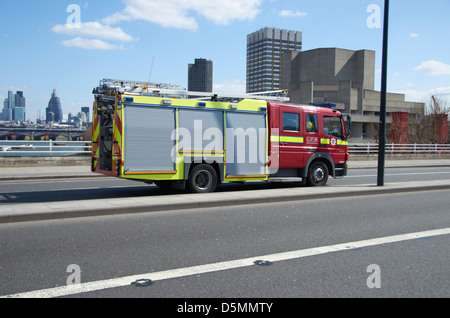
37	255
103	188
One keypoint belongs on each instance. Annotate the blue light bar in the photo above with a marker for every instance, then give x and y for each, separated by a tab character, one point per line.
202	104
129	99
326	105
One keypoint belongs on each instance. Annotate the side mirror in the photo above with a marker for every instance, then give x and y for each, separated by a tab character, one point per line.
348	131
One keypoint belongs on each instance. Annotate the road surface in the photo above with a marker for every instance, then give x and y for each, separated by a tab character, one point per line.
103	188
371	246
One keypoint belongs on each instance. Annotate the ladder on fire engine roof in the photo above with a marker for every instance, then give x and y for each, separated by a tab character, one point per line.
175	91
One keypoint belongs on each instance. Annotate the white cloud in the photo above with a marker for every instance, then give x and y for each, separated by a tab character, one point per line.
90	44
414	35
434	68
93	30
290	13
424	96
236	86
415	96
177	13
441	91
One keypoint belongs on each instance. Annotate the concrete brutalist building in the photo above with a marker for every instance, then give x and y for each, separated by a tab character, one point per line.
346	78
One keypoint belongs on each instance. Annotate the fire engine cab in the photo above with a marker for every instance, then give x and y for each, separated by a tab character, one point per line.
163	134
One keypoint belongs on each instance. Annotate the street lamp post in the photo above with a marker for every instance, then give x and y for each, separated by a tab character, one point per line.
382	129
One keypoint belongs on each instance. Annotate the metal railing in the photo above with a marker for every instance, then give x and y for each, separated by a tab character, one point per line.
71	148
372	148
50	148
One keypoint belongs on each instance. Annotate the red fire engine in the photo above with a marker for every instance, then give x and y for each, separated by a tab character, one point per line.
157	133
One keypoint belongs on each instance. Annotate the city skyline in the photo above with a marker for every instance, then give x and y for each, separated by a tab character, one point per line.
71	46
14	110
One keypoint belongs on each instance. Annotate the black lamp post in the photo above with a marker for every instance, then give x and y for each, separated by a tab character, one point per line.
382	129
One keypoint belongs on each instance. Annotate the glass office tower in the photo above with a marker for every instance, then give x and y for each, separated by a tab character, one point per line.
200	76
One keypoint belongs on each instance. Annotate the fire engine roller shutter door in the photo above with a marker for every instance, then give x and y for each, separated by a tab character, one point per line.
197	122
246	153
148	139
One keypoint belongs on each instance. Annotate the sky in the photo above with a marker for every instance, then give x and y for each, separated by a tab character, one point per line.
71	45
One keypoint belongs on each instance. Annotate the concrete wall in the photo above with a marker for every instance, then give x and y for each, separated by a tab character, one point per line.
14	162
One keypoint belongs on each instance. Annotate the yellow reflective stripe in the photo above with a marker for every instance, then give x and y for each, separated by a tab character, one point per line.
96	133
201	152
247	176
119	140
118	136
300	140
297	140
274	138
290	139
149	172
339	142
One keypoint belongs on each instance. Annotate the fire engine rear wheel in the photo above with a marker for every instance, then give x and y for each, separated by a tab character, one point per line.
317	174
202	179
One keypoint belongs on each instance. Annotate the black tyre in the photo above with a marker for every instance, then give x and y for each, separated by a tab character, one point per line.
317	174
202	179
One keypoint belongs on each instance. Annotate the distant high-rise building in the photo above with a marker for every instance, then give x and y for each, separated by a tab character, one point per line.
85	110
7	107
19	100
200	76
264	49
14	107
19	107
54	110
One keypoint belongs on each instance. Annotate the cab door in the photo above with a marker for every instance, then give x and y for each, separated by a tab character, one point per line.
333	138
312	134
291	138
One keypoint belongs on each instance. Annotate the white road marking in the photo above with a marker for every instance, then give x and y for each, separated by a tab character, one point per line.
221	266
399	174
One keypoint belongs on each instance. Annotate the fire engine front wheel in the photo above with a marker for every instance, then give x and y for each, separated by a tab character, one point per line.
317	174
202	179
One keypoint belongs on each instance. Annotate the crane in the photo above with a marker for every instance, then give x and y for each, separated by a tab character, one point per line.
151	69
437	108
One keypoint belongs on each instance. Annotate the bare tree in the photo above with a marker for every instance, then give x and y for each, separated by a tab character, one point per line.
432	128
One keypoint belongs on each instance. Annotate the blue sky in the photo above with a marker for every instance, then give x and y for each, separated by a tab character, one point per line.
71	45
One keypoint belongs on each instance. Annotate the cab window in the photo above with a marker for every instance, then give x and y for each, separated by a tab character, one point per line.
291	122
332	126
311	123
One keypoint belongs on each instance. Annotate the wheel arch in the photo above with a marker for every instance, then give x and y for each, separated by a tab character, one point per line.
320	156
218	167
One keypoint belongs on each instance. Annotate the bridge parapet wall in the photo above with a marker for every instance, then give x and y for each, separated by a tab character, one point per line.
16	162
